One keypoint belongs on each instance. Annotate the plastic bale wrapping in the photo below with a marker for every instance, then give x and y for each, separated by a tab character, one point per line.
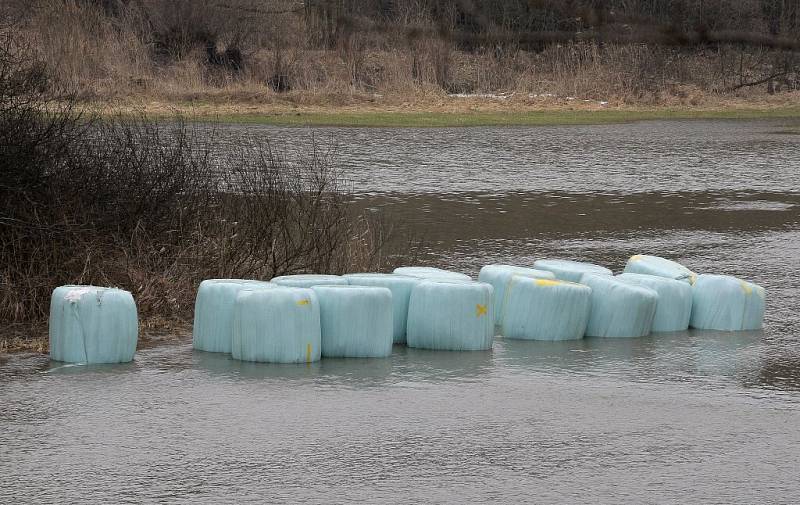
90	324
619	309
213	312
660	267
401	287
499	276
674	307
309	280
431	273
571	271
722	302
451	316
280	325
356	321
546	309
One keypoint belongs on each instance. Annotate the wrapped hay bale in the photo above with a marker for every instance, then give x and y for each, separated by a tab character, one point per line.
309	280
431	273
653	265
213	312
450	316
619	309
571	271
279	325
674	307
722	302
401	287
90	324
545	309
499	276
356	321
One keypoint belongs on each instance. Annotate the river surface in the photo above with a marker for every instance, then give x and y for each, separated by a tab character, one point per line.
691	417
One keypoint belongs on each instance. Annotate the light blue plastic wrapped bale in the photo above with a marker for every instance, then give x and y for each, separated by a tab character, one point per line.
619	309
309	280
280	325
722	302
356	321
571	271
90	324
546	309
400	286
674	307
653	265
499	276
451	316
213	312
431	273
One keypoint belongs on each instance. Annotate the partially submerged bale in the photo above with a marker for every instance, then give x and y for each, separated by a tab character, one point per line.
213	312
401	287
722	302
661	267
279	325
619	309
451	316
431	273
571	271
499	276
356	321
309	280
90	324
546	309
674	307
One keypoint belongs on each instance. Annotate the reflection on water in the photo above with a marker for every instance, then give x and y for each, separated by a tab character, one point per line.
711	415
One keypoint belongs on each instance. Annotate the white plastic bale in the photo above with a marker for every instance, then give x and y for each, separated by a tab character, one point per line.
619	309
546	309
451	316
499	276
661	267
90	324
213	312
431	273
309	280
280	325
400	286
674	306
722	302
571	271
356	321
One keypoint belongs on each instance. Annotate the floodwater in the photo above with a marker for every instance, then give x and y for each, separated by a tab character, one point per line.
691	417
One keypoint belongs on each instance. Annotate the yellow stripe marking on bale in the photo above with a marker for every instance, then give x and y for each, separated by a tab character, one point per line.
308	353
746	288
304	301
636	257
480	310
548	282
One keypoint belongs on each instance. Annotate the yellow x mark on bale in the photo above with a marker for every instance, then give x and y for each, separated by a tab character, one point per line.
480	310
304	301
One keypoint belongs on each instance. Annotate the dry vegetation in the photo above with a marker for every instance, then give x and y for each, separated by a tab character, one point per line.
322	53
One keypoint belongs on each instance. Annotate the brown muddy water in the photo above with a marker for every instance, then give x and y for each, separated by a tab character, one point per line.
692	417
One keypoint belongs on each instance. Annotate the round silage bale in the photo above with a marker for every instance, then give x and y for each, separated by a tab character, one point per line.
400	286
356	321
661	267
213	312
546	309
450	315
90	324
431	273
619	309
499	276
571	271
674	307
723	302
309	280
280	325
